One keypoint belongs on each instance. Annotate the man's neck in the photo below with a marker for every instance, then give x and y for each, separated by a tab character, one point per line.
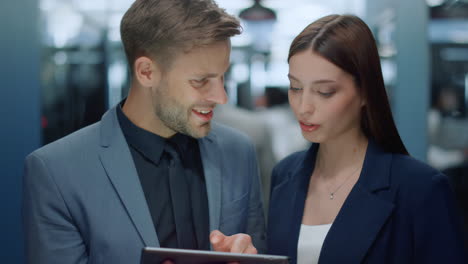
139	109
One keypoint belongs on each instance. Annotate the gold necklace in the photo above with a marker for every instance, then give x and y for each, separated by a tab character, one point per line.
332	194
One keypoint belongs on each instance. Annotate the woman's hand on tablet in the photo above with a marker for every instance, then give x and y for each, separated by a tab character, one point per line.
238	243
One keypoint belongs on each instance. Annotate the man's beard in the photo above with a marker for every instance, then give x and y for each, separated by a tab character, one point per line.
175	116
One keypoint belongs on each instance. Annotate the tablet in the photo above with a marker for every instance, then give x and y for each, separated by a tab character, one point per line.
151	255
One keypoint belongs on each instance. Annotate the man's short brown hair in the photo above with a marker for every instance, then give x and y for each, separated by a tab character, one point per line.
160	29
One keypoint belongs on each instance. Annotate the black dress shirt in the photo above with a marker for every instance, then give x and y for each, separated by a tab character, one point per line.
168	181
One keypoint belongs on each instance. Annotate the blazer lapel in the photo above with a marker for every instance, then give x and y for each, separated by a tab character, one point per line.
212	163
362	215
118	162
299	185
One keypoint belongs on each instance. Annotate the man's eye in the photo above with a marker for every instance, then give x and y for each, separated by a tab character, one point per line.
198	83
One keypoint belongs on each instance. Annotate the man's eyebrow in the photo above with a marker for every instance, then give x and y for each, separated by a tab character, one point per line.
208	75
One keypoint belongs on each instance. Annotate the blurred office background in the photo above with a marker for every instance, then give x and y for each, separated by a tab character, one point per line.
62	66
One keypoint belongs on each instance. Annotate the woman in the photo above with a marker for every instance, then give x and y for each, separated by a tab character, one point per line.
356	196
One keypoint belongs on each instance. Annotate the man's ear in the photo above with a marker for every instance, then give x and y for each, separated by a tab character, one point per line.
147	71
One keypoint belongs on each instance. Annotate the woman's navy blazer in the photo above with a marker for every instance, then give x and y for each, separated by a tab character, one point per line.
399	211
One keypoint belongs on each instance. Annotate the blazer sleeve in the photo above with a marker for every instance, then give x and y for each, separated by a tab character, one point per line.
437	232
50	233
256	219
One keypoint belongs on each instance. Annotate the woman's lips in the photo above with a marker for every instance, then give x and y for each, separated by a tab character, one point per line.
308	127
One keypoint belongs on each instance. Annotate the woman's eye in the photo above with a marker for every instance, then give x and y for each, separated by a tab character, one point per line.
294	89
326	94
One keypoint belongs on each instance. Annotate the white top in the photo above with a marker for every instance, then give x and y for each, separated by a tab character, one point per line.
311	238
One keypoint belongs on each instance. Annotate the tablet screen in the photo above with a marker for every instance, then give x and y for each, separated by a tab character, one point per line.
152	255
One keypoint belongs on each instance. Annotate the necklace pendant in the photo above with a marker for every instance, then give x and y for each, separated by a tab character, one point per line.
332	195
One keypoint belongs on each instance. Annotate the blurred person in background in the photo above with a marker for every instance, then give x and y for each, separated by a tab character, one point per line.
259	132
155	171
280	119
448	130
356	195
448	144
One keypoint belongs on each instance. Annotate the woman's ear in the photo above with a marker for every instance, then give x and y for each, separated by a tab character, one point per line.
363	102
363	99
147	72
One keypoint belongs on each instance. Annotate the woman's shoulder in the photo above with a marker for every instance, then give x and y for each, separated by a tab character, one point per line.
411	168
288	167
414	177
291	161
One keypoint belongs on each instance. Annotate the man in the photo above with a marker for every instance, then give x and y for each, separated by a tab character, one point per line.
154	171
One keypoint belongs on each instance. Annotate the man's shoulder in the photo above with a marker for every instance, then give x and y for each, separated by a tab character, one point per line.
81	140
228	135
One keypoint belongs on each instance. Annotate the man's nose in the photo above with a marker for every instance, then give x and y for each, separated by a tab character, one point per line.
217	92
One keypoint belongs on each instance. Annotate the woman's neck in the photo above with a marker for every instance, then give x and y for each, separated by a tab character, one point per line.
341	154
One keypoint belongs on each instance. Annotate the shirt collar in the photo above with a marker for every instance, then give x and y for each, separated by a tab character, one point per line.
152	145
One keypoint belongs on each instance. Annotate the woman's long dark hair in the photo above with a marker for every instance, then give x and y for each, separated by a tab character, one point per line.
347	42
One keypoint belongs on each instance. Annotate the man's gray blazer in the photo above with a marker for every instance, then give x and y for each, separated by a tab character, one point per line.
83	201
